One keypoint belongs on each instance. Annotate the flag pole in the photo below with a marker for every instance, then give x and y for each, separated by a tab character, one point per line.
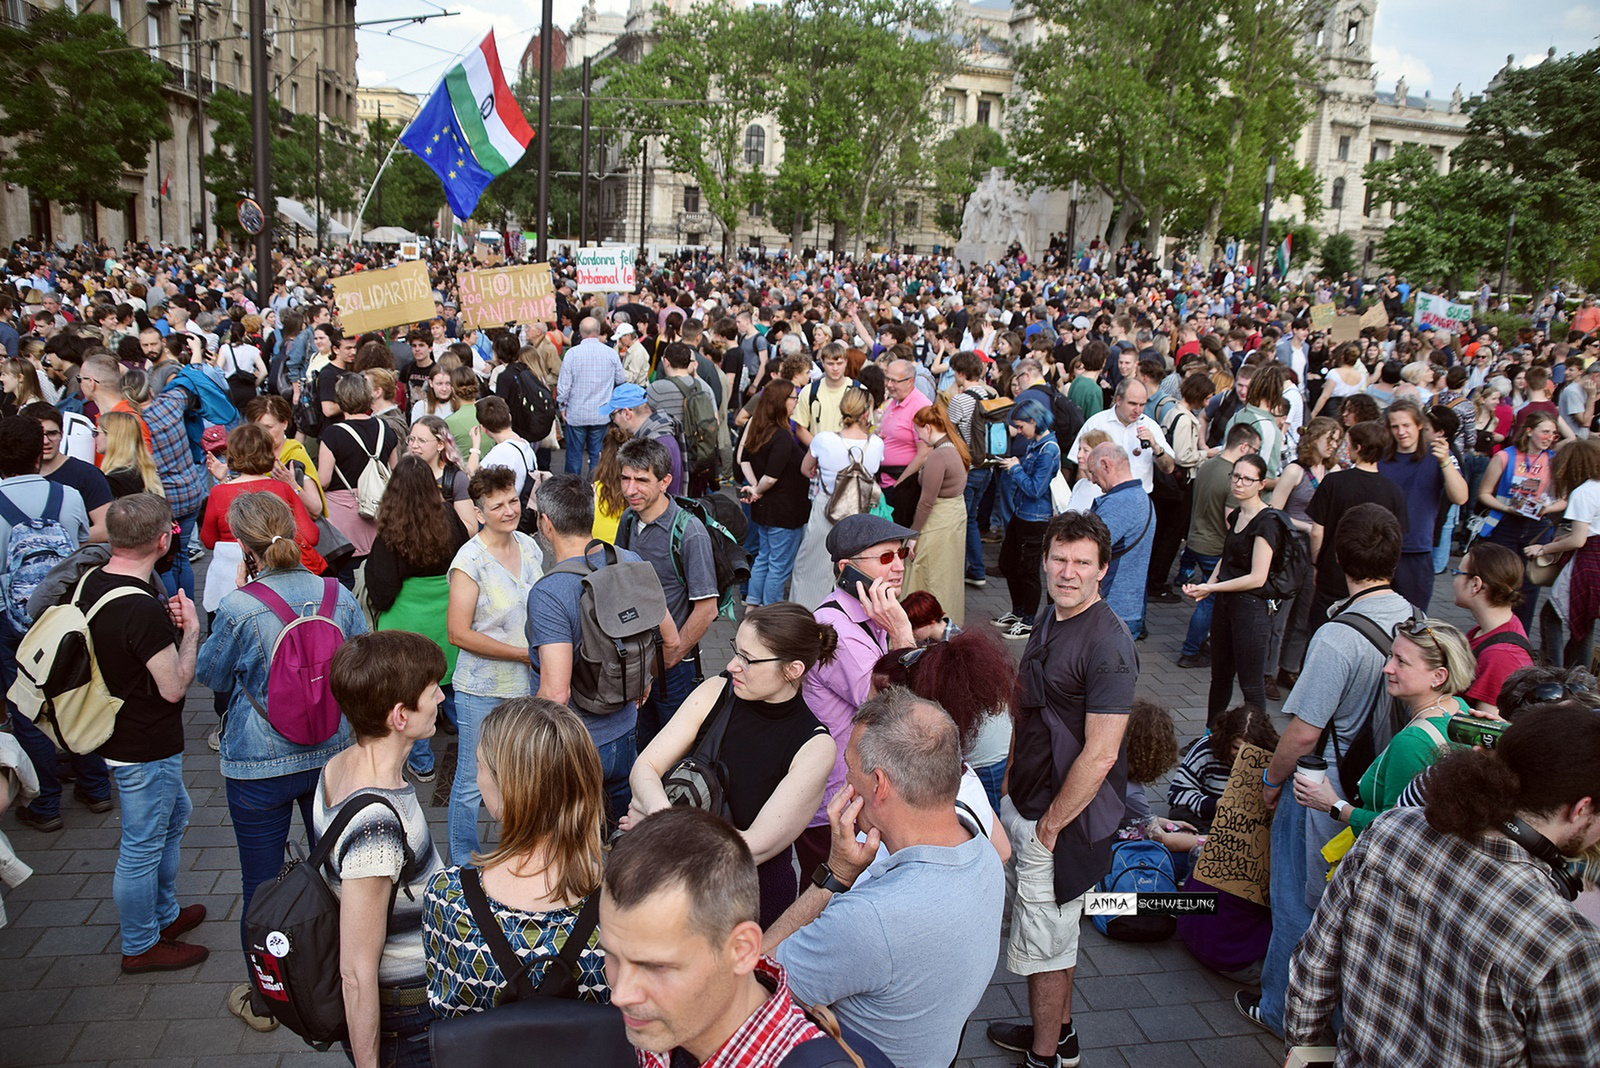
355	236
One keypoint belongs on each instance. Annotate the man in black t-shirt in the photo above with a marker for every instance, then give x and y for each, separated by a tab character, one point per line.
1067	778
415	370
146	651
1339	492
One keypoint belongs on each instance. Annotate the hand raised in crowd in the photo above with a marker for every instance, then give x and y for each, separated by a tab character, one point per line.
848	855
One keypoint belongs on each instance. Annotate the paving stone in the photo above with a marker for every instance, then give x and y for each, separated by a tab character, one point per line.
93	1004
129	1039
1172	986
29	1008
1110	992
70	941
1103	1030
39	1044
1229	1052
54	913
1167	1023
1161	1055
197	1038
188	1001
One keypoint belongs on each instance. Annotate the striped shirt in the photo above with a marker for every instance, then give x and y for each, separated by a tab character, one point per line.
1199	779
1518	984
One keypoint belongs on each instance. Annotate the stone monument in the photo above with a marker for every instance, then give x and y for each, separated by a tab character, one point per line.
999	214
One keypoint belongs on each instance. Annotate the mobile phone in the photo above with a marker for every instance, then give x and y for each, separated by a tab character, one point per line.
1470	730
850	576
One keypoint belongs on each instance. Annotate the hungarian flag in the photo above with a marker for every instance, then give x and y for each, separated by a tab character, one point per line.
471	130
1281	260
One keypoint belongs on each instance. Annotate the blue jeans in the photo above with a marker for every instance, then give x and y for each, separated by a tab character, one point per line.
1291	918
421	758
977	481
181	576
471	710
262	811
773	563
616	761
584	441
669	691
402	1037
1192	567
1441	552
991	776
93	779
155	813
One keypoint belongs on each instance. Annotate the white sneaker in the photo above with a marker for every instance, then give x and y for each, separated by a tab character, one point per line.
1018	631
1006	620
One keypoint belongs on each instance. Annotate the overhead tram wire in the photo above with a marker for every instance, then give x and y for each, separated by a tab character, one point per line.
302	28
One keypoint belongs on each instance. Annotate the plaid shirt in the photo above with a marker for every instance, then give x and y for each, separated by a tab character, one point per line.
763	1040
589	372
185	479
1442	950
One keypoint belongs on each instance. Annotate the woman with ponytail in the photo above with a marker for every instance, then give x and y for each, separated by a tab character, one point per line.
777	753
1478	870
266	776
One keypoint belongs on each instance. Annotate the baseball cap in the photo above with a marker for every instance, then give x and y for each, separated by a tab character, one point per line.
627	395
1081	323
622	330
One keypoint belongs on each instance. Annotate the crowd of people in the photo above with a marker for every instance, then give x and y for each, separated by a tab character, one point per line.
825	454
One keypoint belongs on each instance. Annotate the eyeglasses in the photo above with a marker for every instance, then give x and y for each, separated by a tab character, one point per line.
746	659
52	434
1244	480
887	556
897	381
1463	574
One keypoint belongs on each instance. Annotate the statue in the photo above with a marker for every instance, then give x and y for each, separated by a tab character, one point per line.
999	215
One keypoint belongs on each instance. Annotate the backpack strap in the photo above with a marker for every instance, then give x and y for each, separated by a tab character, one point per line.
1432	732
330	598
832	602
1505	638
1381	640
514	968
963	807
275	603
347	812
558	981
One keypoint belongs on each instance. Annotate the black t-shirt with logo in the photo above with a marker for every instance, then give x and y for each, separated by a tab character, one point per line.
127	633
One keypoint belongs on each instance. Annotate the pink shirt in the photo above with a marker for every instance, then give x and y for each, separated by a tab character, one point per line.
898	432
833	691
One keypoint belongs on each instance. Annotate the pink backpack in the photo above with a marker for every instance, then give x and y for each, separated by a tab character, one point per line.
300	704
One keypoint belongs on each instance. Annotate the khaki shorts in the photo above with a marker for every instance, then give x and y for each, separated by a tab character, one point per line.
1044	935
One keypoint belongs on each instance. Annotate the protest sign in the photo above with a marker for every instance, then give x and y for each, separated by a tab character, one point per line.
1236	856
487	254
410	250
1344	328
1375	316
1442	314
1322	316
372	300
509	295
605	270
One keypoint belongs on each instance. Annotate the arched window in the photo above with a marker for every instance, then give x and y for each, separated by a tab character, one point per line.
755	146
1338	194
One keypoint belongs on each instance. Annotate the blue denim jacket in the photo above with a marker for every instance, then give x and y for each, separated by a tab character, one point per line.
234	659
1029	481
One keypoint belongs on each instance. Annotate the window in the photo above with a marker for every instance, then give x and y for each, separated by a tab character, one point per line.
948	111
153	21
983	112
1352	32
912	214
691	199
1344	147
1366	205
1337	202
757	209
755	146
116	16
1321	40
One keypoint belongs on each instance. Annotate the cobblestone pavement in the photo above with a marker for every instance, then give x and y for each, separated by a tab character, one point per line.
63	999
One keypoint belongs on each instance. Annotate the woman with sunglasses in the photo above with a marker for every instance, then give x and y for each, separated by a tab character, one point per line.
1518	492
776	752
1429	664
1242	620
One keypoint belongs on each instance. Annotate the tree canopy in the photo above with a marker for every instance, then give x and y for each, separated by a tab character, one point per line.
81	113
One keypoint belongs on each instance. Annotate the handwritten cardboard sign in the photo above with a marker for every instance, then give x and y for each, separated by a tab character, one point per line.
1237	854
1344	328
1376	315
372	300
1322	316
519	294
605	270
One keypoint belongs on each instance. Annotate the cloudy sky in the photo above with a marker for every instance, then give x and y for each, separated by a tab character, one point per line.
1435	46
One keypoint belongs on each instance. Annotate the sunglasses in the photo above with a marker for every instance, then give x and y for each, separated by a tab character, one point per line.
1557	691
911	656
1415	627
886	557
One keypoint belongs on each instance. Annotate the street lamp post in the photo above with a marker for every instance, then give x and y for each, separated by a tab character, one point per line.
546	32
261	147
1266	215
583	161
1505	262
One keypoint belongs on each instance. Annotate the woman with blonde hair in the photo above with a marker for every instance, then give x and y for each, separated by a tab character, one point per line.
829	453
19	383
124	457
540	778
941	516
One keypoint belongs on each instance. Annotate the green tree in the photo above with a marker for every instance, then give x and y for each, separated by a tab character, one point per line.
1338	256
80	113
1449	225
959	163
711	54
410	195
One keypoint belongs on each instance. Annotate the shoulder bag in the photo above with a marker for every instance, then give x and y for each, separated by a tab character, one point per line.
700	780
549	1019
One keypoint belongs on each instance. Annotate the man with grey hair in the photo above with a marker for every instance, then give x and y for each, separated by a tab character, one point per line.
1139	435
900	442
872	936
589	372
1130	516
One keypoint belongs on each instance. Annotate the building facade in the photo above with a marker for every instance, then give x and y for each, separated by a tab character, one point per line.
1353	124
391	105
203	45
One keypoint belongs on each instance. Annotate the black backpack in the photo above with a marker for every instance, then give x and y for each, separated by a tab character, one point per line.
1067	418
1291	564
308	417
533	406
292	929
727	526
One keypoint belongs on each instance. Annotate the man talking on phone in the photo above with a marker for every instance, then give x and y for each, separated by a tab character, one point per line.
869	562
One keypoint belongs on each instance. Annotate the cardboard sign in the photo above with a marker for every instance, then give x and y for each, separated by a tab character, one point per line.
510	295
487	254
1375	316
410	250
605	270
1344	328
1322	316
372	300
1237	855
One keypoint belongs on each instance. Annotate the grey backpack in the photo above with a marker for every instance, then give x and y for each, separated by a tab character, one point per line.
619	614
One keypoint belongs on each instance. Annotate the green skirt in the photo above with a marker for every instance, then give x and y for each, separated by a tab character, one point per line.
422	606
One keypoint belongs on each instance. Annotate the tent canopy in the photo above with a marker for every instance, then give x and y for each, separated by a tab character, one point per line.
295	212
388	235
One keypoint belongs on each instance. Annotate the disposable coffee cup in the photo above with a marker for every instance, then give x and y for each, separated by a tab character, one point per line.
1311	769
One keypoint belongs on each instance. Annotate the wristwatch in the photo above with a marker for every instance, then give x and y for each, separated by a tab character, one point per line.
823	877
1337	809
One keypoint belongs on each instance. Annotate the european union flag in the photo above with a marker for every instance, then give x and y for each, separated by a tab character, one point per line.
436	138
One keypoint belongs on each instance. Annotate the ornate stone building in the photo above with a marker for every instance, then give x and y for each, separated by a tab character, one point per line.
203	45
